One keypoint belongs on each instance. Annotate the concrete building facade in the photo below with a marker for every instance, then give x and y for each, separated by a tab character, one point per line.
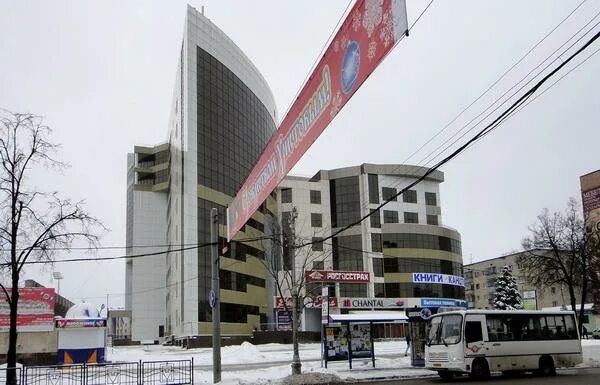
403	238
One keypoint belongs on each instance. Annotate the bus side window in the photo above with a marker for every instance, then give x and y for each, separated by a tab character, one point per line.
473	331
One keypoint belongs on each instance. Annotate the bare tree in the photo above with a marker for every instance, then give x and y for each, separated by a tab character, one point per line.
34	225
558	251
286	267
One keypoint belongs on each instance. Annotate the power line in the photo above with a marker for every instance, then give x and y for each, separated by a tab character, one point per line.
135	256
404	178
507	91
490	127
496	81
398	183
419	17
103	247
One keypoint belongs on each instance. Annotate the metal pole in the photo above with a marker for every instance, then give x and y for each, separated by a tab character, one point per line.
323	298
296	365
216	314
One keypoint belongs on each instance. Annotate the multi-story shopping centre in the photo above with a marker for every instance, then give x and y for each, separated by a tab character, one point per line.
223	106
412	259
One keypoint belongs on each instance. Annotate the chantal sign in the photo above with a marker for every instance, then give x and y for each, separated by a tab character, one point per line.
338	276
367	35
444	279
372	303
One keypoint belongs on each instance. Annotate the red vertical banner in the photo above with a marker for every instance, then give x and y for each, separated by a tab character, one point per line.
369	32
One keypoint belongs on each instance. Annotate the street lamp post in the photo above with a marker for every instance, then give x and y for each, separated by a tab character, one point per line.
57	275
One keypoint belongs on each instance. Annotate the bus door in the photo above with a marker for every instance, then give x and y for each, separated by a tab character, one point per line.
475	335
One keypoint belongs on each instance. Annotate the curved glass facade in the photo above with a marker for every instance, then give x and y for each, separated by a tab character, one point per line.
398	269
233	128
421	241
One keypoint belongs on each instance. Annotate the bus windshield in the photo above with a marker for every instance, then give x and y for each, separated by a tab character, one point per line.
445	330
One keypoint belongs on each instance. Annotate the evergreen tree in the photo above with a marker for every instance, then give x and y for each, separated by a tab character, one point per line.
507	296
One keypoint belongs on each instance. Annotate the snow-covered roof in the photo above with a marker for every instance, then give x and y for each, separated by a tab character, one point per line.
587	306
371	316
83	310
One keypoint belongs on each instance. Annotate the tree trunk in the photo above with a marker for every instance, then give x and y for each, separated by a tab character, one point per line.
572	297
582	306
296	365
11	356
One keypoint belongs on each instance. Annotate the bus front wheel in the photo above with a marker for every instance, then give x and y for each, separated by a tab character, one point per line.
445	374
480	369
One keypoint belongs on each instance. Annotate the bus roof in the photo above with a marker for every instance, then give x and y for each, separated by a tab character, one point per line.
487	311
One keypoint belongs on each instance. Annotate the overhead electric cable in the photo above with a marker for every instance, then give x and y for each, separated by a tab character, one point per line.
478	136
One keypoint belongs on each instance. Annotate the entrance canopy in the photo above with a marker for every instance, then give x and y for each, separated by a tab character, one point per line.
369	317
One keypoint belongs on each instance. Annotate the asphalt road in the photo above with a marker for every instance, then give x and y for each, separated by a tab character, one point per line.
587	376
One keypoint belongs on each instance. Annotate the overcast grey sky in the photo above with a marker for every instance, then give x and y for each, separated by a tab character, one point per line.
102	73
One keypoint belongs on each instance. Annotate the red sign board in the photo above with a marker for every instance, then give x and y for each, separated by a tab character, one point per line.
369	32
316	303
35	310
338	276
80	323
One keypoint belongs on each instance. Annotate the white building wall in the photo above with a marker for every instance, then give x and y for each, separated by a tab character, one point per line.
420	208
149	273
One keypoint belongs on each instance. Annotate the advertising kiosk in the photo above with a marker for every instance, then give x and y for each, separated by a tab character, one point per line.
81	335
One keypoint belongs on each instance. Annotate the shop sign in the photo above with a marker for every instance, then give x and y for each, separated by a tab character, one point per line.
338	276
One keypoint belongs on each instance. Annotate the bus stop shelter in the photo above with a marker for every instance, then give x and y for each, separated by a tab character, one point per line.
348	336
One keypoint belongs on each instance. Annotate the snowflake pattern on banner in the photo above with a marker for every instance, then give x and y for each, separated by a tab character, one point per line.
387	31
335	104
356	20
336	46
373	15
344	42
372	50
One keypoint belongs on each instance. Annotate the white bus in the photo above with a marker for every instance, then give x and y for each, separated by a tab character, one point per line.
478	342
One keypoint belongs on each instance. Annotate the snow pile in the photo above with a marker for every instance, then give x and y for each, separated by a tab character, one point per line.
83	310
244	353
311	378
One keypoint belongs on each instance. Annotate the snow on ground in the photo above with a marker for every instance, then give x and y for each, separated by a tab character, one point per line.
269	364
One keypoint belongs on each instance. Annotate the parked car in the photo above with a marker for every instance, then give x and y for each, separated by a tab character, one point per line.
596	333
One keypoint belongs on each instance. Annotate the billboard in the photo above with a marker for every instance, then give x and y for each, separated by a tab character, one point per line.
338	276
366	36
529	300
590	197
35	310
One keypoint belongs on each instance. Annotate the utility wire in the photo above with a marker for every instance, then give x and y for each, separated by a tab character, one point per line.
490	127
406	178
496	81
99	259
424	162
423	12
506	92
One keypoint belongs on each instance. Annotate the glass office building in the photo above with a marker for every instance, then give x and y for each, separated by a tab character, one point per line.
222	115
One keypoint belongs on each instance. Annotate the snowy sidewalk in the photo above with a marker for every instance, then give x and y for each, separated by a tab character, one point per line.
269	364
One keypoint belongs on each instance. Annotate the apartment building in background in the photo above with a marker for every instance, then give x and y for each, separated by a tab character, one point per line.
480	284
